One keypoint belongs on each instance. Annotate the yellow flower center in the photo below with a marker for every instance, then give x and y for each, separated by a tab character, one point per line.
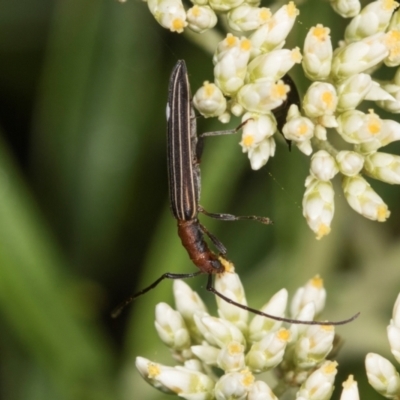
209	88
291	10
245	44
153	370
231	40
284	335
196	11
320	32
248	140
177	25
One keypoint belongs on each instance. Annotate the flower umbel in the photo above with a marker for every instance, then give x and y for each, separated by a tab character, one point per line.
222	356
250	65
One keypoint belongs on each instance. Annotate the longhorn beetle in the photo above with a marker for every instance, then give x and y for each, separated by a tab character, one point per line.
183	149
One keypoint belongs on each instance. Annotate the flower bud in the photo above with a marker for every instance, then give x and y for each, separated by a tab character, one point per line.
363	199
373	18
261	391
260	326
382	375
350	163
234	385
352	91
272	66
218	332
171	327
346	8
209	100
178	380
317	53
224	5
318	206
320	99
273	33
356	127
350	389
314	345
247	18
188	303
262	97
229	284
319	385
170	14
201	18
313	291
268	352
207	354
231	357
359	56
383	166
323	166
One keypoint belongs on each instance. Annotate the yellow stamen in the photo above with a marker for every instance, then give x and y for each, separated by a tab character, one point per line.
265	14
279	90
317	281
296	55
374	123
327	98
347	384
177	25
320	32
245	45
291	10
330	368
284	335
248	378
389	5
196	11
248	140
383	213
153	370
209	88
231	40
228	266
235	348
302	129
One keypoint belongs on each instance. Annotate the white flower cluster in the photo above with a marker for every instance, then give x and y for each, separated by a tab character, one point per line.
220	357
381	373
250	81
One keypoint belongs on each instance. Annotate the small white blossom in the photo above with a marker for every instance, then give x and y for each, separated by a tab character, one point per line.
170	14
261	391
314	345
217	331
323	166
206	353
260	325
346	8
234	385
382	375
231	357
313	291
318	206
363	199
256	138
272	66
356	127
373	18
224	5
201	18
262	97
352	91
391	104
209	100
392	41
350	389
320	99
317	53
188	303
350	163
383	166
268	352
393	333
359	56
319	385
178	380
247	18
171	327
299	129
229	285
272	34
230	61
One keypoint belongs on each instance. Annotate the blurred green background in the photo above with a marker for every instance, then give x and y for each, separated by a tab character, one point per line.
84	218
